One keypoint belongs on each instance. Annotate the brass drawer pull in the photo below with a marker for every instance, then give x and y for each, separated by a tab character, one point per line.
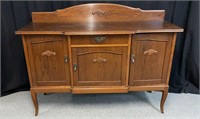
48	53
100	60
99	39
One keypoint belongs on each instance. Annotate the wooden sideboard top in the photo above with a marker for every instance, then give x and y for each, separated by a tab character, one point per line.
98	18
99	28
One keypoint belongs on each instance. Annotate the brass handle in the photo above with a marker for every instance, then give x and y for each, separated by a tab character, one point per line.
150	52
75	67
132	58
100	60
66	58
99	39
48	53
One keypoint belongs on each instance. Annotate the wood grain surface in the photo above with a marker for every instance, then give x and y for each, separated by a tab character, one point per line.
99	48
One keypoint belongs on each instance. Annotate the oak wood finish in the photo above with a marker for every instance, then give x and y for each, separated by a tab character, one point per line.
27	60
150	53
128	59
98	28
171	57
98	12
164	96
100	89
95	66
99	48
47	60
91	40
35	101
158	87
70	60
51	89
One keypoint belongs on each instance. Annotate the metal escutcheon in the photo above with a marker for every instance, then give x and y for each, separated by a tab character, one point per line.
75	67
66	58
99	39
132	58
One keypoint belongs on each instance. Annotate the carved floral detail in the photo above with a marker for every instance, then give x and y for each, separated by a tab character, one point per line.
99	12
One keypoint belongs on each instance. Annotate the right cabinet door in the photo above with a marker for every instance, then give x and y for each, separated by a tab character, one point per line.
150	56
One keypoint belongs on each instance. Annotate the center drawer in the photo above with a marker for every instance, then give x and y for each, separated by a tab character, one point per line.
99	39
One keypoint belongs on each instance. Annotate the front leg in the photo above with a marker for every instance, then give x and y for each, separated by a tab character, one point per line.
164	96
35	102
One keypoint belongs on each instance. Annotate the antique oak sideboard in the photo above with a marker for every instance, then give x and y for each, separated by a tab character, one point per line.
99	48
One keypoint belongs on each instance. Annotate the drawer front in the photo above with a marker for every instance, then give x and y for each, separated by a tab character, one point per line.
99	39
47	64
99	66
150	56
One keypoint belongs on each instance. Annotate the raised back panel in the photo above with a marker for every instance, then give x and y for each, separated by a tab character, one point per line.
98	12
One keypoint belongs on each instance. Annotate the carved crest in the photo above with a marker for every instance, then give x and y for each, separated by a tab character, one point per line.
98	12
89	12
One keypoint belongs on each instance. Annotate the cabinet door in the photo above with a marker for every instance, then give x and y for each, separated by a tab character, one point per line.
47	60
99	66
149	58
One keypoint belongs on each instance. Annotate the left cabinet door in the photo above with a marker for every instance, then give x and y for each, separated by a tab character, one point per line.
48	57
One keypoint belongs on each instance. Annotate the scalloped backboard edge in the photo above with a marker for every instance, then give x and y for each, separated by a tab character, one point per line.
97	12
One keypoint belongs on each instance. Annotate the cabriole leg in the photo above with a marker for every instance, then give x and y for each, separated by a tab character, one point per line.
35	102
162	102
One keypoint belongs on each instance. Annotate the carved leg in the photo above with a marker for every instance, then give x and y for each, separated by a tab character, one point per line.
162	102
35	102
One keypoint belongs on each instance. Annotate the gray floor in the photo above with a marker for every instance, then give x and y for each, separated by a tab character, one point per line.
136	105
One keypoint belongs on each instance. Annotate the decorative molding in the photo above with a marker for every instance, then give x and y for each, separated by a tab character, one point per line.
91	52
46	41
99	13
151	39
48	53
150	52
107	12
100	60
